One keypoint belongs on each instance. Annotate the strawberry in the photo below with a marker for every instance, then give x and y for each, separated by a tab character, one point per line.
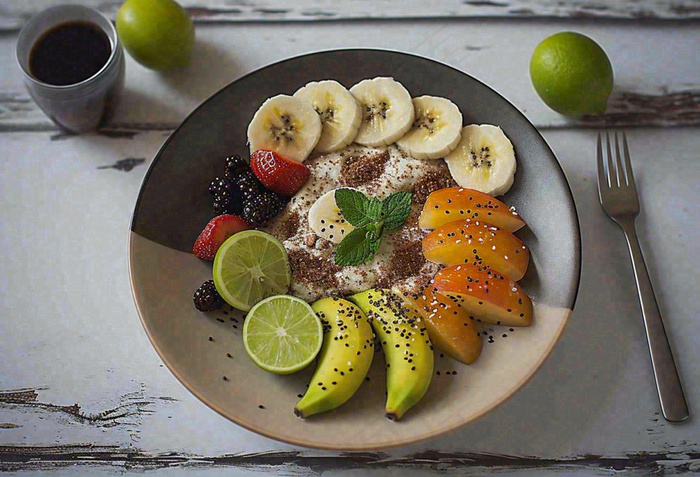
215	233
278	173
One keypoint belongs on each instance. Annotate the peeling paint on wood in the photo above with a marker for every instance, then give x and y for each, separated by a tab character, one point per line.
39	458
28	127
14	15
131	406
485	3
625	109
475	48
634	109
110	133
126	164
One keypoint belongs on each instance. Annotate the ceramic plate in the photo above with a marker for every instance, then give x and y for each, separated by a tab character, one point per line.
201	349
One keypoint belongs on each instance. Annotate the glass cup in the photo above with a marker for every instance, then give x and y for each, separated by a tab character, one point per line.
82	106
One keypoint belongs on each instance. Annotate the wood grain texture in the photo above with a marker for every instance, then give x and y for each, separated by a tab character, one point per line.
14	14
131	406
652	87
35	458
625	109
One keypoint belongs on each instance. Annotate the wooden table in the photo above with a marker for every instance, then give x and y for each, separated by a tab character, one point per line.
83	392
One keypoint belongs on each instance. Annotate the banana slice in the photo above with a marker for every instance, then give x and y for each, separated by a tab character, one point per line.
340	114
286	125
436	130
387	111
326	219
483	160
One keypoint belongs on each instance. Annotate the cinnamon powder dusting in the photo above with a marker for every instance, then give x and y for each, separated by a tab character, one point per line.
290	226
405	261
356	171
429	183
412	219
306	268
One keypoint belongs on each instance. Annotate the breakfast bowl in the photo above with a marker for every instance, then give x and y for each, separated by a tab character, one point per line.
205	351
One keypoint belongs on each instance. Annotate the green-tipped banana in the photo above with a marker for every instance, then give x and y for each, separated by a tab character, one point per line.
407	349
344	360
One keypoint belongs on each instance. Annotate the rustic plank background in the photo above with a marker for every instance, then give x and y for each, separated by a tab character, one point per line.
665	92
82	392
14	14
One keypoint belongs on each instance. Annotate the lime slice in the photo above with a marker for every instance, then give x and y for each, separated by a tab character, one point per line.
250	266
282	334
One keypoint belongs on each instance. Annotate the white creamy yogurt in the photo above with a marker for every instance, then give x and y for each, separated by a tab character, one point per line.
314	273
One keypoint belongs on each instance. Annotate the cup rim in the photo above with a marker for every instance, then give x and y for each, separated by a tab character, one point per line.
112	56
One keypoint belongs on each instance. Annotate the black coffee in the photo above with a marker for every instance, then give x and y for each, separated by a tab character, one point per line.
69	53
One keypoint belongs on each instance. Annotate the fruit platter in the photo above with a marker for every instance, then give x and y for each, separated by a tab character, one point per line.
354	249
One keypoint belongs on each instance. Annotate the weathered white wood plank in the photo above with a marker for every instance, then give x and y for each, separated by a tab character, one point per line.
81	389
71	362
78	370
653	86
14	14
299	463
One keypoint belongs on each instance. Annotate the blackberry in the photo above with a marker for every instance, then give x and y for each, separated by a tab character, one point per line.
206	298
219	185
248	185
250	192
235	164
227	204
246	177
278	202
258	210
221	205
235	207
264	200
255	217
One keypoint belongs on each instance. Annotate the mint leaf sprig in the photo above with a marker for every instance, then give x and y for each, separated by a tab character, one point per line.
371	217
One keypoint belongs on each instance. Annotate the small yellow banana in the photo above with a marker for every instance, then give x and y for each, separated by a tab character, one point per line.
344	360
407	349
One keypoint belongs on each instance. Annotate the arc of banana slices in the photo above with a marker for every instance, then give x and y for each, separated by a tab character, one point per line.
286	125
344	360
436	130
407	349
483	160
326	219
387	111
340	114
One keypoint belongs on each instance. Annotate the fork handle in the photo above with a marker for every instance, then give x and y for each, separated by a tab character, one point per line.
668	383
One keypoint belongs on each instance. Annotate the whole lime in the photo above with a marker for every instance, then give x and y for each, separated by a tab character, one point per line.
159	34
572	74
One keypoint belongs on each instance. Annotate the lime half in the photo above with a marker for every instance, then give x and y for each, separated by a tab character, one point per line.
250	266
282	334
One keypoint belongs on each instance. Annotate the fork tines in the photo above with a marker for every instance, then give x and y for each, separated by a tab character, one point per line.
613	175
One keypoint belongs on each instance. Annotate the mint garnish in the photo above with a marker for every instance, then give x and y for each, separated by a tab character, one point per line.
395	210
371	217
357	208
357	247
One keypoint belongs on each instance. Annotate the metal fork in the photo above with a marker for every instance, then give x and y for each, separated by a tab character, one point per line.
618	196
